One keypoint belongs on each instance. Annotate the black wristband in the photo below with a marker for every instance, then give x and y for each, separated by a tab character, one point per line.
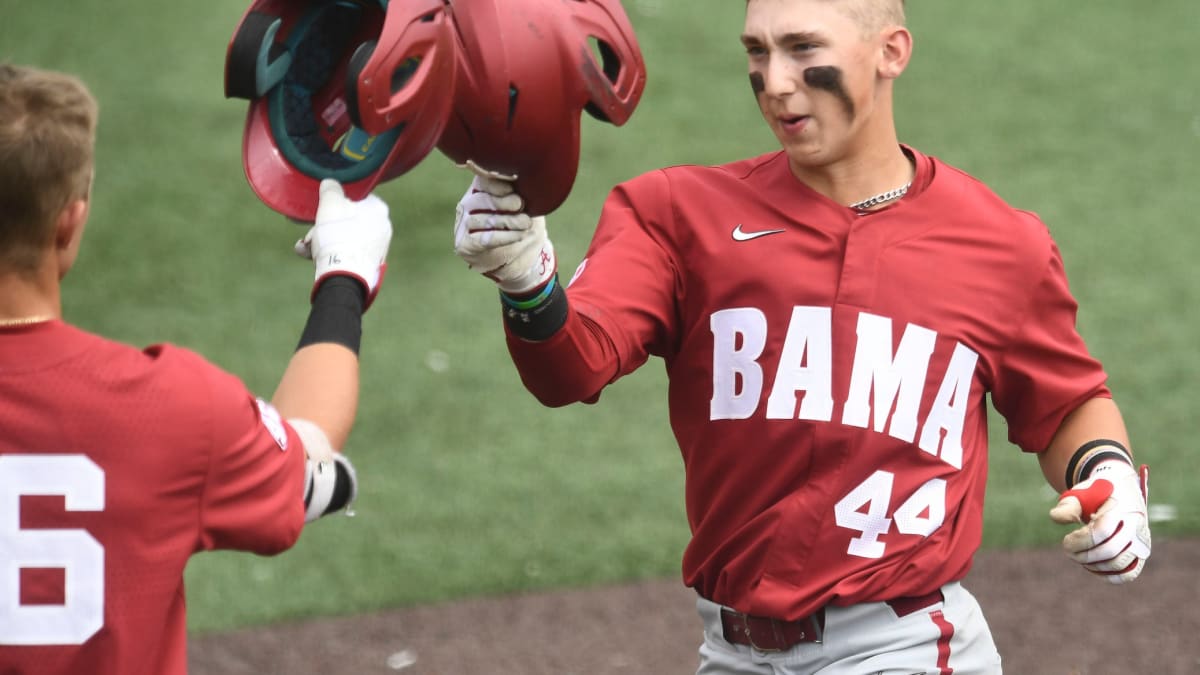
336	314
1092	453
536	318
342	490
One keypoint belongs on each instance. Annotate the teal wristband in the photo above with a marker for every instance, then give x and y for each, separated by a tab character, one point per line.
539	317
530	303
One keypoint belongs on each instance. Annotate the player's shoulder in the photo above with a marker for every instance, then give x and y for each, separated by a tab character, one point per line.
176	375
688	178
959	191
186	366
170	354
112	359
738	170
158	358
104	347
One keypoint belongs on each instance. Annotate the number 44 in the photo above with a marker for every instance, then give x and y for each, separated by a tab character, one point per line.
864	509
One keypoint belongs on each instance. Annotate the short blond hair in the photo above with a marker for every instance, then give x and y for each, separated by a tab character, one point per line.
873	15
47	154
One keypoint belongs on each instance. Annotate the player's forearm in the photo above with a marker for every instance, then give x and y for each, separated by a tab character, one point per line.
348	245
1097	418
321	380
572	365
321	385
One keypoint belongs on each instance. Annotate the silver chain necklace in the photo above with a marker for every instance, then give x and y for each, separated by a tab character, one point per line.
881	198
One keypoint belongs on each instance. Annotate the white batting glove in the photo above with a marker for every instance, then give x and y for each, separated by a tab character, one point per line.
497	240
348	238
1114	541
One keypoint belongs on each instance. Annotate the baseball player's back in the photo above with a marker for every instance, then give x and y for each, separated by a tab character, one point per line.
116	465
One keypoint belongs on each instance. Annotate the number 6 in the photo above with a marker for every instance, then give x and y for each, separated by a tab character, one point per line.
81	483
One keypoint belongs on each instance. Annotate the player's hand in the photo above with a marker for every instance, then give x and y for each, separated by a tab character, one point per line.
348	238
1114	541
498	240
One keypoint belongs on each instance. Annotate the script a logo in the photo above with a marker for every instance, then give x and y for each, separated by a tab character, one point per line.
740	235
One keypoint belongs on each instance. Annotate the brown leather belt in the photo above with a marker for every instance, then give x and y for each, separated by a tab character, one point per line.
775	635
771	635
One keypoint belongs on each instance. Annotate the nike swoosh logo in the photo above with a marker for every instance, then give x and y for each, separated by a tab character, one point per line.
739	235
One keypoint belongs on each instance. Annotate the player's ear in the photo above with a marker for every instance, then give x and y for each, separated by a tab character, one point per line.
896	45
68	233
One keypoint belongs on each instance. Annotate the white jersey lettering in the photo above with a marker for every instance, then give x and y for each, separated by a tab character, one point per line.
950	409
806	365
886	385
735	362
81	484
898	380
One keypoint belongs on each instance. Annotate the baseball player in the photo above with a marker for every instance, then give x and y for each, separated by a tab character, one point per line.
117	464
832	317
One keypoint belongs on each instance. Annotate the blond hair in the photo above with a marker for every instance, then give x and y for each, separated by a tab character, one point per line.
871	15
47	149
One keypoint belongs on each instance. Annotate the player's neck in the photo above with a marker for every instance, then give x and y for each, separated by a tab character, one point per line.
872	167
29	296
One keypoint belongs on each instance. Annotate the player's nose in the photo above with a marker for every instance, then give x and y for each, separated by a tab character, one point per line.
778	80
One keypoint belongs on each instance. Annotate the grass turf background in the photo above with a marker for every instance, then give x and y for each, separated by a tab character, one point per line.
1088	116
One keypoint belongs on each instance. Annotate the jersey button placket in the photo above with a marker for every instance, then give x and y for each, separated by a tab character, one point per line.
860	263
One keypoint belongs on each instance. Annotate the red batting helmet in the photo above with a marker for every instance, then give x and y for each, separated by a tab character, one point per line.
355	90
527	69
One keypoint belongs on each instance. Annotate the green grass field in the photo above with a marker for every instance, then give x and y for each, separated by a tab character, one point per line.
1089	116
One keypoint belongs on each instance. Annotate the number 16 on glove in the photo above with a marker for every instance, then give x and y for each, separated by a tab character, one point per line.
349	238
1114	541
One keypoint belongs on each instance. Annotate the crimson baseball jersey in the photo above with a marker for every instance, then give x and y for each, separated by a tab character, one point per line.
827	368
116	465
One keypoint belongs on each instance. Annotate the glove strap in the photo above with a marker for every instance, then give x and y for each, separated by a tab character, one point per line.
336	314
539	316
1092	453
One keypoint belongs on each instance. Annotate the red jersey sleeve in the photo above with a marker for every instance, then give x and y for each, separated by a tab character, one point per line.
1046	372
253	496
622	297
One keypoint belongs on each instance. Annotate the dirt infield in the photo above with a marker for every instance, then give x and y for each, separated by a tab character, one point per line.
1048	618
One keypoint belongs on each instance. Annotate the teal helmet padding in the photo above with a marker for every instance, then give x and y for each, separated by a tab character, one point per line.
342	89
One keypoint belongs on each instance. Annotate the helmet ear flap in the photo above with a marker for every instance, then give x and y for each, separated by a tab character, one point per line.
406	77
255	62
610	65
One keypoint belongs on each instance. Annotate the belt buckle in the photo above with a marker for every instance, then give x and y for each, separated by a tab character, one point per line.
770	650
817	619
